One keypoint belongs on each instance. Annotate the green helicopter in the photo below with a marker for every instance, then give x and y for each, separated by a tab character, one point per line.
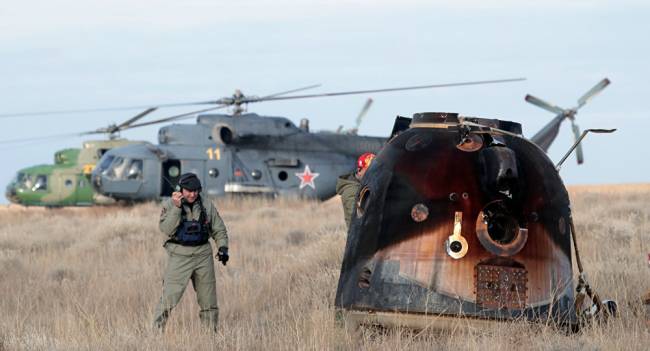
67	181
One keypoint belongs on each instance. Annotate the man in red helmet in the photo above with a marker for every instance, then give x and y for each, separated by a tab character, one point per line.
348	185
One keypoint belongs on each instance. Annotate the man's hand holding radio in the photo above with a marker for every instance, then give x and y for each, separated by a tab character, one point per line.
177	198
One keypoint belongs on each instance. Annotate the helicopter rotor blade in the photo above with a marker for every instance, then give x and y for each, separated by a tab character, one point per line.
108	130
593	92
545	105
101	109
98	131
113	129
41	138
244	100
356	92
175	117
364	111
221	101
576	134
292	91
128	122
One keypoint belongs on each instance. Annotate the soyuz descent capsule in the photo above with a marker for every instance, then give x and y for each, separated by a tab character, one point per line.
458	217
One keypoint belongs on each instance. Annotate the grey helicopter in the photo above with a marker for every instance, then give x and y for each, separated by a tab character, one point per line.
244	153
241	153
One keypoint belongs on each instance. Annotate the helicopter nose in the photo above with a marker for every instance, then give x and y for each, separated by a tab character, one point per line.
10	194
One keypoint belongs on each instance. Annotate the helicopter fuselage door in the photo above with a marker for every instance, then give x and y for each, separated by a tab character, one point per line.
66	188
62	188
84	191
55	189
217	170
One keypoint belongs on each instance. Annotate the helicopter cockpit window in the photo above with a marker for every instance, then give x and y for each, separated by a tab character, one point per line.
106	162
25	181
101	152
41	183
135	170
117	168
18	178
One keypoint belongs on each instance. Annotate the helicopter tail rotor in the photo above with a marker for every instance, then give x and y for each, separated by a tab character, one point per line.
581	102
543	104
545	137
593	92
576	133
364	111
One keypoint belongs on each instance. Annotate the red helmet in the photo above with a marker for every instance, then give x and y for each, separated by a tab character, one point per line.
364	160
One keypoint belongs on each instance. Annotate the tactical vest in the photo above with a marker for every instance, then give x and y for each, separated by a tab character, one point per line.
193	232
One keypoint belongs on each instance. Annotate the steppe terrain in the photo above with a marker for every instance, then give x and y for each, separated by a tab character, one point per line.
89	279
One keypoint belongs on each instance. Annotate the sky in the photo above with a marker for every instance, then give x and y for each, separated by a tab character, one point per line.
84	54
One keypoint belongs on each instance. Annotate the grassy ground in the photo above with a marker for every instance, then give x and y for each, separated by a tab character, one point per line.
76	279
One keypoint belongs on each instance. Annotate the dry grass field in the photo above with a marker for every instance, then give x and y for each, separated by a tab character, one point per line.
89	279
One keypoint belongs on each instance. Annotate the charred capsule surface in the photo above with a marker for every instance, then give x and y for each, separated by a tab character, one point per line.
460	216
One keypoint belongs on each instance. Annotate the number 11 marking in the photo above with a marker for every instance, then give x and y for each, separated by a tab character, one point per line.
214	154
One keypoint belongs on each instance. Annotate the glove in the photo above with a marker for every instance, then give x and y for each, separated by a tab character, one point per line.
222	255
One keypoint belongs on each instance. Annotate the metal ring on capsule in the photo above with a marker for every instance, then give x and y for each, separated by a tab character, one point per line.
509	248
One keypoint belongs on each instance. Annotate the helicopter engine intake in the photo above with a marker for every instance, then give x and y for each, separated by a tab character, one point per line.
226	135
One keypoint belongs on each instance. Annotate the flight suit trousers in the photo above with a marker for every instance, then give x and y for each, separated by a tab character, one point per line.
184	264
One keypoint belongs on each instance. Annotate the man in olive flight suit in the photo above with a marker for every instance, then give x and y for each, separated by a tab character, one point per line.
348	186
188	220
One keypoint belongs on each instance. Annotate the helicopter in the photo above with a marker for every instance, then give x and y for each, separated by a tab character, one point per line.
463	217
67	181
240	153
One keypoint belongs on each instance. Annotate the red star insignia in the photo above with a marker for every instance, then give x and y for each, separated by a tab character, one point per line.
307	178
